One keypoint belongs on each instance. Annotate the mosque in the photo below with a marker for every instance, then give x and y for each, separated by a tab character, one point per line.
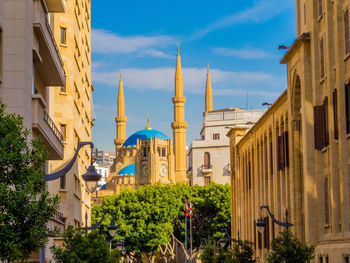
148	156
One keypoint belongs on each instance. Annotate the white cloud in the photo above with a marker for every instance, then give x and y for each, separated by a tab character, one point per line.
244	53
262	11
106	42
223	82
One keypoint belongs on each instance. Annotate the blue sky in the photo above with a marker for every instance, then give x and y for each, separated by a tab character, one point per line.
239	39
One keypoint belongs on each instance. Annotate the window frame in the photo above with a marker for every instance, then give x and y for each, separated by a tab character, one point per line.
63	35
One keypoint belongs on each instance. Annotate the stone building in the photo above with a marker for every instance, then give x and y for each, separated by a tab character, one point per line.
209	157
149	156
297	155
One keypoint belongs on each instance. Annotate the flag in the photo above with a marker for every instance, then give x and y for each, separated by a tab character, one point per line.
190	209
186	209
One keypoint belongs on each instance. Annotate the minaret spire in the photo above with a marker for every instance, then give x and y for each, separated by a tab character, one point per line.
121	118
179	124
208	95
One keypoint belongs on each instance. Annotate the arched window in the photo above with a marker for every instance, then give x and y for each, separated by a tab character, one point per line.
207	160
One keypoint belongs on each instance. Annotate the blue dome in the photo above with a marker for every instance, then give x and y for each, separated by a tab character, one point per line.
144	135
128	170
103	187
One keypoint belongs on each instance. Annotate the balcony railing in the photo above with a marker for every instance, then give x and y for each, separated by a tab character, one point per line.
58	217
52	125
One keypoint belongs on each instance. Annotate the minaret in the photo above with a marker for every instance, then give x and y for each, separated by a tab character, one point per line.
208	95
179	125
121	118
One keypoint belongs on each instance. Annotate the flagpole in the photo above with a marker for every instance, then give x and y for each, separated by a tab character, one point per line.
186	229
191	227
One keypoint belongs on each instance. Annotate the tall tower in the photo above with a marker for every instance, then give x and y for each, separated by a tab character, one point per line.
121	118
208	95
179	125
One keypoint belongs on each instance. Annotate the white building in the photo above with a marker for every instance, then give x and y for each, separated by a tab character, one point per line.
209	157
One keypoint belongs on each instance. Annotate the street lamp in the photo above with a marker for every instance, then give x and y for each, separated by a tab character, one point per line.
261	223
112	229
91	176
223	240
86	228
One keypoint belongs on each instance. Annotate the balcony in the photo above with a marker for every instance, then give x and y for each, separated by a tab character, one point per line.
206	169
57	221
49	61
56	6
43	126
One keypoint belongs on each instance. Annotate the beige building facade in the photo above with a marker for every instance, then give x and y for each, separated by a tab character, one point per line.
71	109
297	155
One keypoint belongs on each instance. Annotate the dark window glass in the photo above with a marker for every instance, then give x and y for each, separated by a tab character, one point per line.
271	158
63	182
163	152
320	9
335	114
346	28
158	150
322	57
63	35
321	131
216	136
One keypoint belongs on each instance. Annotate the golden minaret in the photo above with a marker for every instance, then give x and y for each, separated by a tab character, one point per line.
179	125
208	95
121	118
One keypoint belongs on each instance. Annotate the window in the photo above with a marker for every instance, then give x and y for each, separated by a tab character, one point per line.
346	259
347	33
322	57
206	180
63	182
335	114
207	164
216	136
163	152
249	175
320	260
326	197
63	35
158	150
304	14
266	233
271	157
282	151
321	125
63	128
320	9
347	107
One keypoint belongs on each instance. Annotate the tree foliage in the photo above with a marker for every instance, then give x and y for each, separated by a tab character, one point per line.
287	248
79	247
151	217
25	205
241	252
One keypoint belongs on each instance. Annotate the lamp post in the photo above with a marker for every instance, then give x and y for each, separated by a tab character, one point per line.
86	228
261	223
223	240
90	176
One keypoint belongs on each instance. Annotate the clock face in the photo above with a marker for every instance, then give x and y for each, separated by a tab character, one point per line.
163	170
144	170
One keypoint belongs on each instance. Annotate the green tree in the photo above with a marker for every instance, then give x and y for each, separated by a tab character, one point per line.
152	218
243	252
25	205
287	248
79	247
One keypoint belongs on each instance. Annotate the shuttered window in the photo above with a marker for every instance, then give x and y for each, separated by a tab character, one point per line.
347	107
322	57
267	233
321	131
335	114
279	153
346	27
286	148
259	240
